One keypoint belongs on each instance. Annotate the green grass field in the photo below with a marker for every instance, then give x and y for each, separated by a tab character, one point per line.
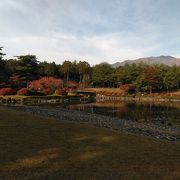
34	147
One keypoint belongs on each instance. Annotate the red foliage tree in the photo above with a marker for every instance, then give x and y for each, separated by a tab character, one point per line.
61	92
23	92
128	88
7	91
150	78
48	85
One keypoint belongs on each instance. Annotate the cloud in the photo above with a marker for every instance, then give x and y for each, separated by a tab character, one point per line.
95	31
59	47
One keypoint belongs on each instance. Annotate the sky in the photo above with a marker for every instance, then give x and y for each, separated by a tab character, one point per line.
92	30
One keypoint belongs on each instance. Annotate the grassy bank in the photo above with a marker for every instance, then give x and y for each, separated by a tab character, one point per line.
107	91
117	92
34	147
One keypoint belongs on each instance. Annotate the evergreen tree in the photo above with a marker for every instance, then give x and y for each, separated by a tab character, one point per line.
27	68
3	74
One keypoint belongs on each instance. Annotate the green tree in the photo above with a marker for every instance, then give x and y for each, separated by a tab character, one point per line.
1	54
11	66
176	73
84	70
48	69
3	74
66	69
102	74
75	73
129	73
162	70
171	79
27	68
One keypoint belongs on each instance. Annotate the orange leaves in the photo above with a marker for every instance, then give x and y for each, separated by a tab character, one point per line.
48	85
7	91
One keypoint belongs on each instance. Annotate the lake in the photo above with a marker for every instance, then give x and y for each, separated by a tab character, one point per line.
162	112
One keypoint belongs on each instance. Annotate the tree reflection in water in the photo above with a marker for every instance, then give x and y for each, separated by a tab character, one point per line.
163	113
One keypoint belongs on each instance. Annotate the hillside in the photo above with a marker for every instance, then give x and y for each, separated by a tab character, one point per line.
166	60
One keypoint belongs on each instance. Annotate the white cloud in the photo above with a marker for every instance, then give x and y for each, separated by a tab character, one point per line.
59	47
93	30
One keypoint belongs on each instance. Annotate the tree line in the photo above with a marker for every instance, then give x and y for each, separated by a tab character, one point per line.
21	70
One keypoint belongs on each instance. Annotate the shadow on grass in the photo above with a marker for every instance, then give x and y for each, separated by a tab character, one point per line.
34	147
37	160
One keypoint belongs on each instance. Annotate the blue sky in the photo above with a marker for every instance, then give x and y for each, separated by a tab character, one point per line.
91	30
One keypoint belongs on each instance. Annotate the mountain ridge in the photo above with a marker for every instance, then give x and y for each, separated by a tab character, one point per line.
166	60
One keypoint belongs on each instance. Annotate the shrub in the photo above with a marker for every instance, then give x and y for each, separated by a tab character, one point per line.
128	88
48	85
62	92
23	92
27	92
7	91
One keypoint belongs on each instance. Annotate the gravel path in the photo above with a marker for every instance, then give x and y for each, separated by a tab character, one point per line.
149	129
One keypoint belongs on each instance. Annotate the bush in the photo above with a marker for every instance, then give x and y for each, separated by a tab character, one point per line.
48	85
62	92
48	91
23	92
7	91
27	92
128	88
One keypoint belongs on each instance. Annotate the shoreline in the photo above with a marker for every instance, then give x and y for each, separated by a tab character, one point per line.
158	131
102	97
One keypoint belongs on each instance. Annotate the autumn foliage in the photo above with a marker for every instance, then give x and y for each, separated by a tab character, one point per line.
149	79
128	88
62	92
151	75
23	92
48	85
7	91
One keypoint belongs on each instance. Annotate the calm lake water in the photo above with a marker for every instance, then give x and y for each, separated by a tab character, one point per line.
164	113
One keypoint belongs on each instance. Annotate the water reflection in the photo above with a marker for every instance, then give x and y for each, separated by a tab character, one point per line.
163	113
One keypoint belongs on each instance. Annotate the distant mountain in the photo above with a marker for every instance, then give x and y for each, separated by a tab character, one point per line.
166	60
